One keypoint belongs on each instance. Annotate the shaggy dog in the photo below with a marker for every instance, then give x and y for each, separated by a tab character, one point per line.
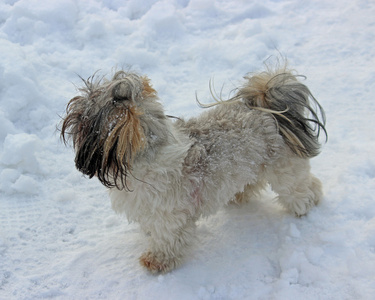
165	174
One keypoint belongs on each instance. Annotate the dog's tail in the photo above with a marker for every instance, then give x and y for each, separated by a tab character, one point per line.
299	116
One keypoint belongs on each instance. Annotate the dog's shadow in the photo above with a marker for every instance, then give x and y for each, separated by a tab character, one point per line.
241	238
241	235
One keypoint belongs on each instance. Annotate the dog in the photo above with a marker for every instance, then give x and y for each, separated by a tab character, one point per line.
165	173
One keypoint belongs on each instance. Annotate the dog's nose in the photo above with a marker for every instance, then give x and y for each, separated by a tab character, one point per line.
122	92
120	99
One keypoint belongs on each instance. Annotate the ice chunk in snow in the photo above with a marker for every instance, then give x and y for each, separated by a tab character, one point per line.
19	152
25	184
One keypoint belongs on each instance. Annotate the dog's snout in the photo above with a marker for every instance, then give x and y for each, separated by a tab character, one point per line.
121	92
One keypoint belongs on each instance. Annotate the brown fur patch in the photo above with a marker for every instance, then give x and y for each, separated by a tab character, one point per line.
148	90
129	136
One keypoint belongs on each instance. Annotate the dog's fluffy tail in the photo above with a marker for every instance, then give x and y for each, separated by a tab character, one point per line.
299	116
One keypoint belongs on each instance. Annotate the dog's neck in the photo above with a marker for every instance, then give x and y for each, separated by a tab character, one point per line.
165	152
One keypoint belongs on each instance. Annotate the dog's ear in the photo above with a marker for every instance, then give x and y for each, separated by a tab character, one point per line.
148	90
71	123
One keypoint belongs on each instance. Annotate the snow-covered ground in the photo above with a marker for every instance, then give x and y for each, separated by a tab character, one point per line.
59	237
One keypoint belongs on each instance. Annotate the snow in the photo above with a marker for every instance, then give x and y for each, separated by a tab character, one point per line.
59	237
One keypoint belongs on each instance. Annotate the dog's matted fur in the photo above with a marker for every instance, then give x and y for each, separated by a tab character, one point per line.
165	173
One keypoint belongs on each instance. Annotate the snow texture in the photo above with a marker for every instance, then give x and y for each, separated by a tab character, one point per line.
59	237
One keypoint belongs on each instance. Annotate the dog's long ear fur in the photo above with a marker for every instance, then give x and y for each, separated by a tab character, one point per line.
300	117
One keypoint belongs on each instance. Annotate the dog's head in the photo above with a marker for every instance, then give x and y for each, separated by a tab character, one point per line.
112	123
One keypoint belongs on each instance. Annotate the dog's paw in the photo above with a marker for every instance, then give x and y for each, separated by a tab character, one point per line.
313	198
157	262
300	202
302	207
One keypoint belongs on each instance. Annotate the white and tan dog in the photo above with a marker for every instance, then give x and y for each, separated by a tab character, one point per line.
166	174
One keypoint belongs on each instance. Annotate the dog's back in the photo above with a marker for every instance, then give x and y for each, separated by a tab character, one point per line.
272	123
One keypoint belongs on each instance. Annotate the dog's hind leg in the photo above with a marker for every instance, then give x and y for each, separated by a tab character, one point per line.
298	190
250	192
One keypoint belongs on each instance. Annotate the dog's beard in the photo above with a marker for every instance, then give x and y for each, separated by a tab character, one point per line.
107	145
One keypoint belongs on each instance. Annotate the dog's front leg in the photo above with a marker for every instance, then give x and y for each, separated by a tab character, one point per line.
171	234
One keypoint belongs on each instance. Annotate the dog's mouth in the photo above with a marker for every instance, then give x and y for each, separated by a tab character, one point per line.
93	160
89	153
107	148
